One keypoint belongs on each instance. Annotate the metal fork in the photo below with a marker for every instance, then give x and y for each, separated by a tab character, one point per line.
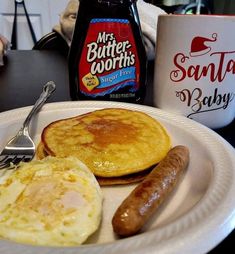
21	147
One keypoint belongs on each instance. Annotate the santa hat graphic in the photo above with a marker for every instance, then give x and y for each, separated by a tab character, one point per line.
198	47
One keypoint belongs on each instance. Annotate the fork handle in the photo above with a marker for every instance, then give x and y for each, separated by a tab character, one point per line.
48	89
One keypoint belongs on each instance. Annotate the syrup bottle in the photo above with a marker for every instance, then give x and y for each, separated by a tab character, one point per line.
107	58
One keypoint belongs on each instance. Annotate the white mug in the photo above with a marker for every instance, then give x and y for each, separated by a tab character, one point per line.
195	67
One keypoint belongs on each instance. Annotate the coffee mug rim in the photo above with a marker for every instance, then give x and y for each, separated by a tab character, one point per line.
198	15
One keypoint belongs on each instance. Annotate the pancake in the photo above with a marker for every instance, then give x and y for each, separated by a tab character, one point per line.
122	180
111	142
41	152
104	181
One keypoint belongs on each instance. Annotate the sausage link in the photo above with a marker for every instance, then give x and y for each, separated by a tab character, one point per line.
142	202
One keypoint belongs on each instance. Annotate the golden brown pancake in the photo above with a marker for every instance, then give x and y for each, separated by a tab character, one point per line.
41	152
111	142
105	181
121	180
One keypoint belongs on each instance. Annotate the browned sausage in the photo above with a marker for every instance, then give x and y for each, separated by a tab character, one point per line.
136	209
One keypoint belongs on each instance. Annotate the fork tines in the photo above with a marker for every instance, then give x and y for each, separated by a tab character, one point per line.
6	161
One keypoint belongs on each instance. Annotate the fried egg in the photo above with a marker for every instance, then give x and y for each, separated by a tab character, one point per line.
52	202
112	142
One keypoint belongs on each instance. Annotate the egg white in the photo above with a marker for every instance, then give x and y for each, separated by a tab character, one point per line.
52	202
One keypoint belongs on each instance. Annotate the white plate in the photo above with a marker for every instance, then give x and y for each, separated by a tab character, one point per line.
198	215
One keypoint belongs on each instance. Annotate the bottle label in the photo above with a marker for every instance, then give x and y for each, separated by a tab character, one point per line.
109	60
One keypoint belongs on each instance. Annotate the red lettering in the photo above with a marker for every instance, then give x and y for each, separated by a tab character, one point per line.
193	70
213	72
179	74
209	69
231	67
220	77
